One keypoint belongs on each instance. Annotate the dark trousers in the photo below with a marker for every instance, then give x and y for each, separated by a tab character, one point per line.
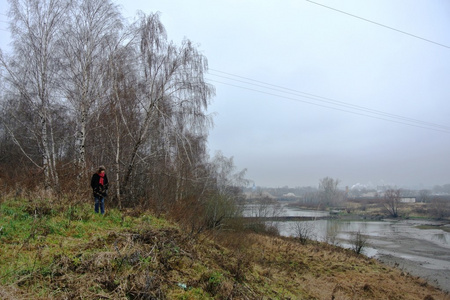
99	203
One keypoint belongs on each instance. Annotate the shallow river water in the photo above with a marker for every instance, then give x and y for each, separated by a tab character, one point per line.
420	252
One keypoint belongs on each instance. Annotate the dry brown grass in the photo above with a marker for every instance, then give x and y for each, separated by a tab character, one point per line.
142	257
321	271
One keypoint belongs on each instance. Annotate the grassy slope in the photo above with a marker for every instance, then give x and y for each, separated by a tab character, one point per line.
49	252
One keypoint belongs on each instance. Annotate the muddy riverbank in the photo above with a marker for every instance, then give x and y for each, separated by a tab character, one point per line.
417	252
401	243
438	278
419	247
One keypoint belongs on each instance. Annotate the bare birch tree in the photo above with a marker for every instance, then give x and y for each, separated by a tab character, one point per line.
34	68
94	25
119	109
172	94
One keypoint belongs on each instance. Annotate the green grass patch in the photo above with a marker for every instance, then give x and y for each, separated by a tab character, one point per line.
33	235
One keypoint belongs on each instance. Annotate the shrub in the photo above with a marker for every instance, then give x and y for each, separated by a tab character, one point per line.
358	242
304	231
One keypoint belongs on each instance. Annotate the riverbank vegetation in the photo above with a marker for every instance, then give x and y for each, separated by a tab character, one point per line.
58	249
376	209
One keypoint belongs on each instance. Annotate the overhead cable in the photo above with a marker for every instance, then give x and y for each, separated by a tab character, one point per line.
326	102
325	99
382	25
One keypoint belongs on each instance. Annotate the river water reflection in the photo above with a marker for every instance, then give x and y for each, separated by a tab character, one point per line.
377	232
423	252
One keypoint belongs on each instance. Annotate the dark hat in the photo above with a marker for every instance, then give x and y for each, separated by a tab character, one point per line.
101	168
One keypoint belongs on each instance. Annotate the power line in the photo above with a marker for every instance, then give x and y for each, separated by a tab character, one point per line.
382	25
328	100
343	110
337	105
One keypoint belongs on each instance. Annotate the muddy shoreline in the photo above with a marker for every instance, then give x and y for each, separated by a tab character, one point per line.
438	278
415	254
419	247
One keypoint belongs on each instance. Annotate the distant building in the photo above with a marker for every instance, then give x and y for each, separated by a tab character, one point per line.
289	195
408	200
369	195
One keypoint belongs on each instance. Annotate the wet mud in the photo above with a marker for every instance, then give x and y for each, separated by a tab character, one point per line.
419	252
403	244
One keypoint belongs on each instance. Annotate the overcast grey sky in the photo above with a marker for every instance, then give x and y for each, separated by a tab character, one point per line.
266	56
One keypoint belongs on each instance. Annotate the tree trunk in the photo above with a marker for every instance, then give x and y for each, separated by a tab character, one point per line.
80	143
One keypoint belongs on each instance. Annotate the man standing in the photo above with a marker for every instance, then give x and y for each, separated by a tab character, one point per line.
99	184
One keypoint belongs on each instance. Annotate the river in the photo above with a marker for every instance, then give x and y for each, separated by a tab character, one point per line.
420	252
